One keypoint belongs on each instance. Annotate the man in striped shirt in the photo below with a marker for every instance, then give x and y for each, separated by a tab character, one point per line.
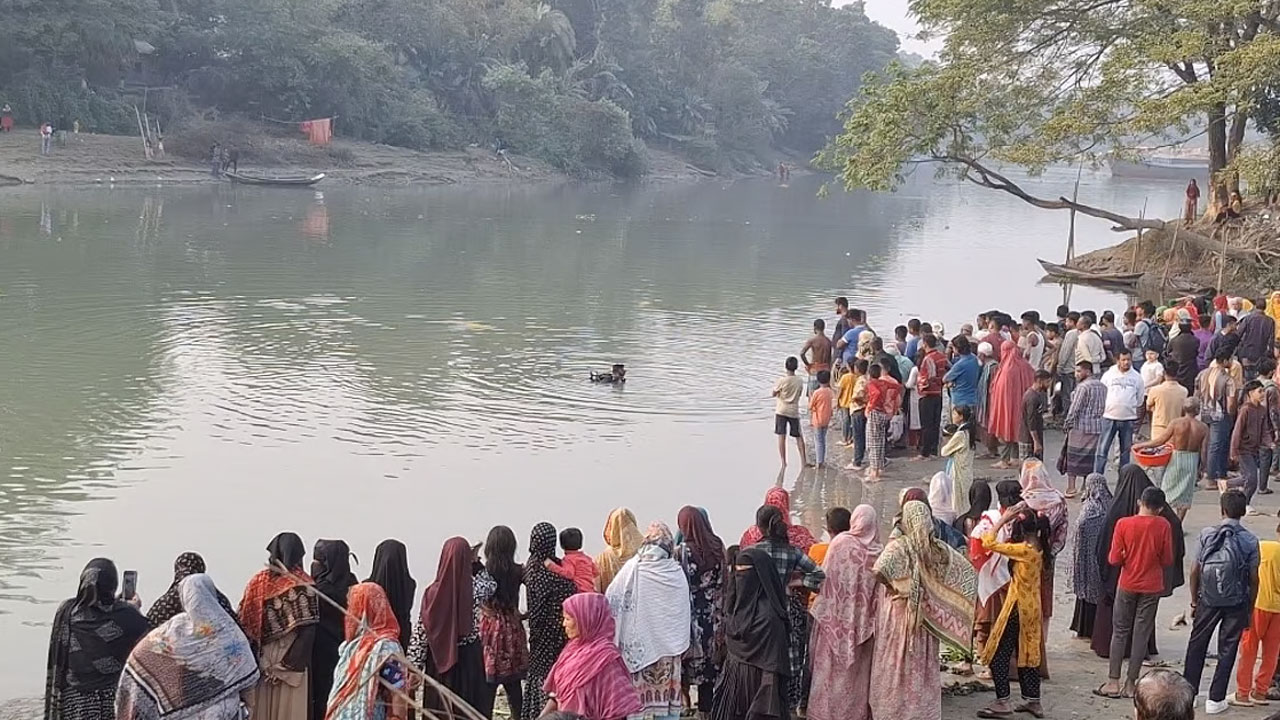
1083	424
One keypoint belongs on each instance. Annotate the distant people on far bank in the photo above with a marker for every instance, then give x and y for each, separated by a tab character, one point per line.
6	118
1190	208
46	138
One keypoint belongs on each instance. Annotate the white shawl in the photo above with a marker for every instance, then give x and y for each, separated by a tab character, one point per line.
651	604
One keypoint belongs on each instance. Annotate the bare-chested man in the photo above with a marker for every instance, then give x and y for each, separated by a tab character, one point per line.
1187	435
820	346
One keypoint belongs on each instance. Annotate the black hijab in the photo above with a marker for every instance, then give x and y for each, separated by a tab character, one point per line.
92	636
979	502
391	573
331	569
1128	492
170	603
286	549
755	607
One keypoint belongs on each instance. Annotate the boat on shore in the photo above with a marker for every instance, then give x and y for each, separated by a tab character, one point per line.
1066	272
1163	165
283	181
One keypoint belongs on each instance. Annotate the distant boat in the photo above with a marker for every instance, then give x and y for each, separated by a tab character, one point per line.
1163	165
290	181
1086	276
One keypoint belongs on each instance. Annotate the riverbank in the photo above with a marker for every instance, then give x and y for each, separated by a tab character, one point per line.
89	160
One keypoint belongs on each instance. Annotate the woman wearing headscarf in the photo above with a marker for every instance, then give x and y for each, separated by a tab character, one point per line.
798	535
391	573
623	538
1273	310
1128	491
702	555
331	571
778	538
590	678
370	650
992	568
446	640
944	531
170	603
940	497
545	593
927	598
844	616
979	503
201	642
506	646
1004	416
91	639
280	614
757	664
1221	311
650	603
1086	575
990	366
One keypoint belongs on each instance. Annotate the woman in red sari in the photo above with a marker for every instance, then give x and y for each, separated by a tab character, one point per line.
1004	410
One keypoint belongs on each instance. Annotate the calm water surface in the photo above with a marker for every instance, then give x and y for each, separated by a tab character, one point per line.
198	369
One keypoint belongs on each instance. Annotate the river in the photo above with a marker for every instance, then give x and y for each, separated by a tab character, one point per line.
200	368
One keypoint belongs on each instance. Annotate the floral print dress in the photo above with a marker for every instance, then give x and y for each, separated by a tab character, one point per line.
706	633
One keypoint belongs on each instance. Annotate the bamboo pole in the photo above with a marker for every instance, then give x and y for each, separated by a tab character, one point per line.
1137	247
1173	248
1222	266
1071	227
146	147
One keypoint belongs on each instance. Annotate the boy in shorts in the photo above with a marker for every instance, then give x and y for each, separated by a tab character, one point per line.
786	418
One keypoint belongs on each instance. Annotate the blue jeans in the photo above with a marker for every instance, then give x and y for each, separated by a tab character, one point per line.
859	437
1219	447
846	425
1110	429
820	443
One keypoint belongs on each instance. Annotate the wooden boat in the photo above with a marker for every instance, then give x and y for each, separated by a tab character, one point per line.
288	181
1086	276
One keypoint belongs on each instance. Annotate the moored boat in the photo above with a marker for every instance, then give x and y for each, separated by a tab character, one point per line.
1088	276
287	180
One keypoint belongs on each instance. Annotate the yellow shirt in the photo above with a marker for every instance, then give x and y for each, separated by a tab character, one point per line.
1024	594
1269	577
859	401
847	381
1165	402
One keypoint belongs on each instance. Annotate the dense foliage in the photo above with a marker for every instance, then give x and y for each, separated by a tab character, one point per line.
572	81
1065	81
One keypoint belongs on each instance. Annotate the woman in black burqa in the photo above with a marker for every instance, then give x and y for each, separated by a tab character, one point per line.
1128	491
331	571
92	636
753	683
391	572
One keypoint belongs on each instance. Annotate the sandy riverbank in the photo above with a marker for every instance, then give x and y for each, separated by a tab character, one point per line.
109	159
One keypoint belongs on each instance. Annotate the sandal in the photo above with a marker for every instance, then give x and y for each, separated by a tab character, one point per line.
1098	691
989	713
1029	709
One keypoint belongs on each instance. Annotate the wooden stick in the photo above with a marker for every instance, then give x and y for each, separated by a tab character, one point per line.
146	148
1173	248
1223	266
1071	228
1137	247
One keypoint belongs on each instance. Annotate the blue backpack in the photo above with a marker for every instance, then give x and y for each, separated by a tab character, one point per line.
1224	574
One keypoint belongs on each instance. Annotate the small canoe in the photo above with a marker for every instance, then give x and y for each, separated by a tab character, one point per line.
288	181
1070	273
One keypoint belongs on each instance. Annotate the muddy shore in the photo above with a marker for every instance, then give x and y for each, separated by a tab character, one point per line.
1075	671
91	160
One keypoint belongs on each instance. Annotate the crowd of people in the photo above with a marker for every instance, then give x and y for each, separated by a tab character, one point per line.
662	624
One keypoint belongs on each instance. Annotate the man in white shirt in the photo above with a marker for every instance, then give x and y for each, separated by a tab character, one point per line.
1125	395
1089	344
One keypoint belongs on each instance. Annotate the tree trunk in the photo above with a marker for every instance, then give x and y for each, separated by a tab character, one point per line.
1235	138
1217	134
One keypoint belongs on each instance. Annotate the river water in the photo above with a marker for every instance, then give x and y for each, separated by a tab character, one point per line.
200	368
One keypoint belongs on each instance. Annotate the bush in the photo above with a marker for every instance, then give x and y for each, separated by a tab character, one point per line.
61	98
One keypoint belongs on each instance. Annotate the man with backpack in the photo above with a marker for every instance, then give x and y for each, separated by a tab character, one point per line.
1224	587
1150	335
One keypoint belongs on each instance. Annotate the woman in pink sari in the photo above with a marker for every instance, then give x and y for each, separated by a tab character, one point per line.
1004	408
590	678
844	618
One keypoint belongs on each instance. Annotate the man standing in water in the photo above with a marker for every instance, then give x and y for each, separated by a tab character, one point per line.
786	418
1187	435
820	346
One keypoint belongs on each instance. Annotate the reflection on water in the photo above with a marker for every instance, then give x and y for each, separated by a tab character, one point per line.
197	369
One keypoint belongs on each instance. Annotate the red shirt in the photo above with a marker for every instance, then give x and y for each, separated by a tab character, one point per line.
932	369
875	394
1142	547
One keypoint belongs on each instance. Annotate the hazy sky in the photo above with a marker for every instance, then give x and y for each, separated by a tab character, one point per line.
893	14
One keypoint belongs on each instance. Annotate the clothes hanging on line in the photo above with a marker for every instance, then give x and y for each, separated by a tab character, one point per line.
319	132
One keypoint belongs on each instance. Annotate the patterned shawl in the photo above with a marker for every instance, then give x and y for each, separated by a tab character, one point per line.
650	601
1086	576
939	583
1041	496
170	603
372	638
297	606
194	662
845	611
798	535
623	538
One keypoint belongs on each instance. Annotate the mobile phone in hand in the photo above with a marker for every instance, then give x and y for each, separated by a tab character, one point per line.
129	586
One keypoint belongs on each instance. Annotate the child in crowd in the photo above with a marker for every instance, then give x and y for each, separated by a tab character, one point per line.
821	404
837	521
844	405
1262	635
1152	372
858	412
786	413
959	450
576	565
1015	636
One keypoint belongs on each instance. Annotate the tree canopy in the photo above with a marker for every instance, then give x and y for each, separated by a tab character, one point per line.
1039	82
724	80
